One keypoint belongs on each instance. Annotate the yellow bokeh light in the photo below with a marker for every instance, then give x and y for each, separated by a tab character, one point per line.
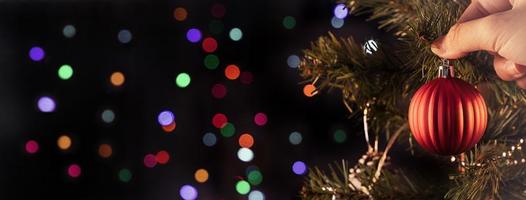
201	175
64	142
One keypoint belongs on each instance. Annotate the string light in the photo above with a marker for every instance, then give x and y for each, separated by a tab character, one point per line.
209	139
32	147
117	79
211	61
242	187
150	161
183	80
108	116
289	22
193	35
201	175
295	138
236	34
299	168
69	31
341	11
188	192
64	142
309	90
162	157
74	170
124	36
245	154
256	195
36	53
46	104
125	175
105	150
180	14
246	140
337	22
232	72
293	61
228	130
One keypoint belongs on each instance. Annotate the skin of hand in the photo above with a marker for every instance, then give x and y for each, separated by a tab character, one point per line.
496	26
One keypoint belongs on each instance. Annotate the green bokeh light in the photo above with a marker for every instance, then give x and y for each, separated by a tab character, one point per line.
242	187
125	175
255	177
211	61
183	80
228	130
65	72
289	22
340	136
236	34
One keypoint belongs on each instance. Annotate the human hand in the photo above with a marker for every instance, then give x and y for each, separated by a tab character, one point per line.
496	26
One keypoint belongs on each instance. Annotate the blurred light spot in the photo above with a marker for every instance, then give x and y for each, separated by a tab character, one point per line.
293	61
166	117
340	136
218	10
216	27
295	138
218	91
370	47
125	175
246	77
193	35
74	170
46	104
250	169
65	72
124	36
219	120
69	31
211	61
341	11
201	175
32	146
228	130
64	142
209	45
245	154
242	187
289	22
246	140
260	119
105	150
236	34
256	195
337	22
188	192
299	168
150	161
36	53
182	80
108	116
162	157
255	177
232	72
209	139
169	128
180	14
117	79
309	90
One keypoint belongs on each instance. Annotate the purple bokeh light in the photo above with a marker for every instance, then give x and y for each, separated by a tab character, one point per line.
341	11
36	53
46	104
166	118
299	168
193	35
188	192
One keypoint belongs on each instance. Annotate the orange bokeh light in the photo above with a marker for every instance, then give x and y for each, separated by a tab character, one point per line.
169	128
180	14
105	150
64	142
232	72
309	90
117	78
201	175
246	140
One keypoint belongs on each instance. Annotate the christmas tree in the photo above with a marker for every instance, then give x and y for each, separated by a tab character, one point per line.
377	80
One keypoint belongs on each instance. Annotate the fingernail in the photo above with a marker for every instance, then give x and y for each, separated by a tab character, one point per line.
436	47
511	66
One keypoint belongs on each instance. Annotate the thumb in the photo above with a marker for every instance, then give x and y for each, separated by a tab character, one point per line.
479	34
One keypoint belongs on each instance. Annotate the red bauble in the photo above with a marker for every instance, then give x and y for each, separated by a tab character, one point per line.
447	116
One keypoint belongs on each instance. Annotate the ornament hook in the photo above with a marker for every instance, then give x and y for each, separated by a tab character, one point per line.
445	70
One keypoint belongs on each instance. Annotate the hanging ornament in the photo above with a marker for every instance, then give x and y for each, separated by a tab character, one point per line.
447	116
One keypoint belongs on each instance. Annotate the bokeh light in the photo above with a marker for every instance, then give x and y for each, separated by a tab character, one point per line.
235	34
242	187
105	150
124	36
108	116
209	45
340	136
299	168
64	142
341	11
166	117
180	14
219	91
169	128
219	120
188	192
32	146
255	177
246	140
295	138
162	157
201	175
209	139
309	90
256	195
211	61
218	10
216	27
183	80
289	22
117	79
65	72
293	61
74	170
46	104
36	53
150	161
193	35
245	154
337	22
228	130
69	31
232	72
125	175
260	119
246	77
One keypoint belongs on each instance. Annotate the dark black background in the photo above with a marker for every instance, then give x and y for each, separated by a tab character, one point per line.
157	52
